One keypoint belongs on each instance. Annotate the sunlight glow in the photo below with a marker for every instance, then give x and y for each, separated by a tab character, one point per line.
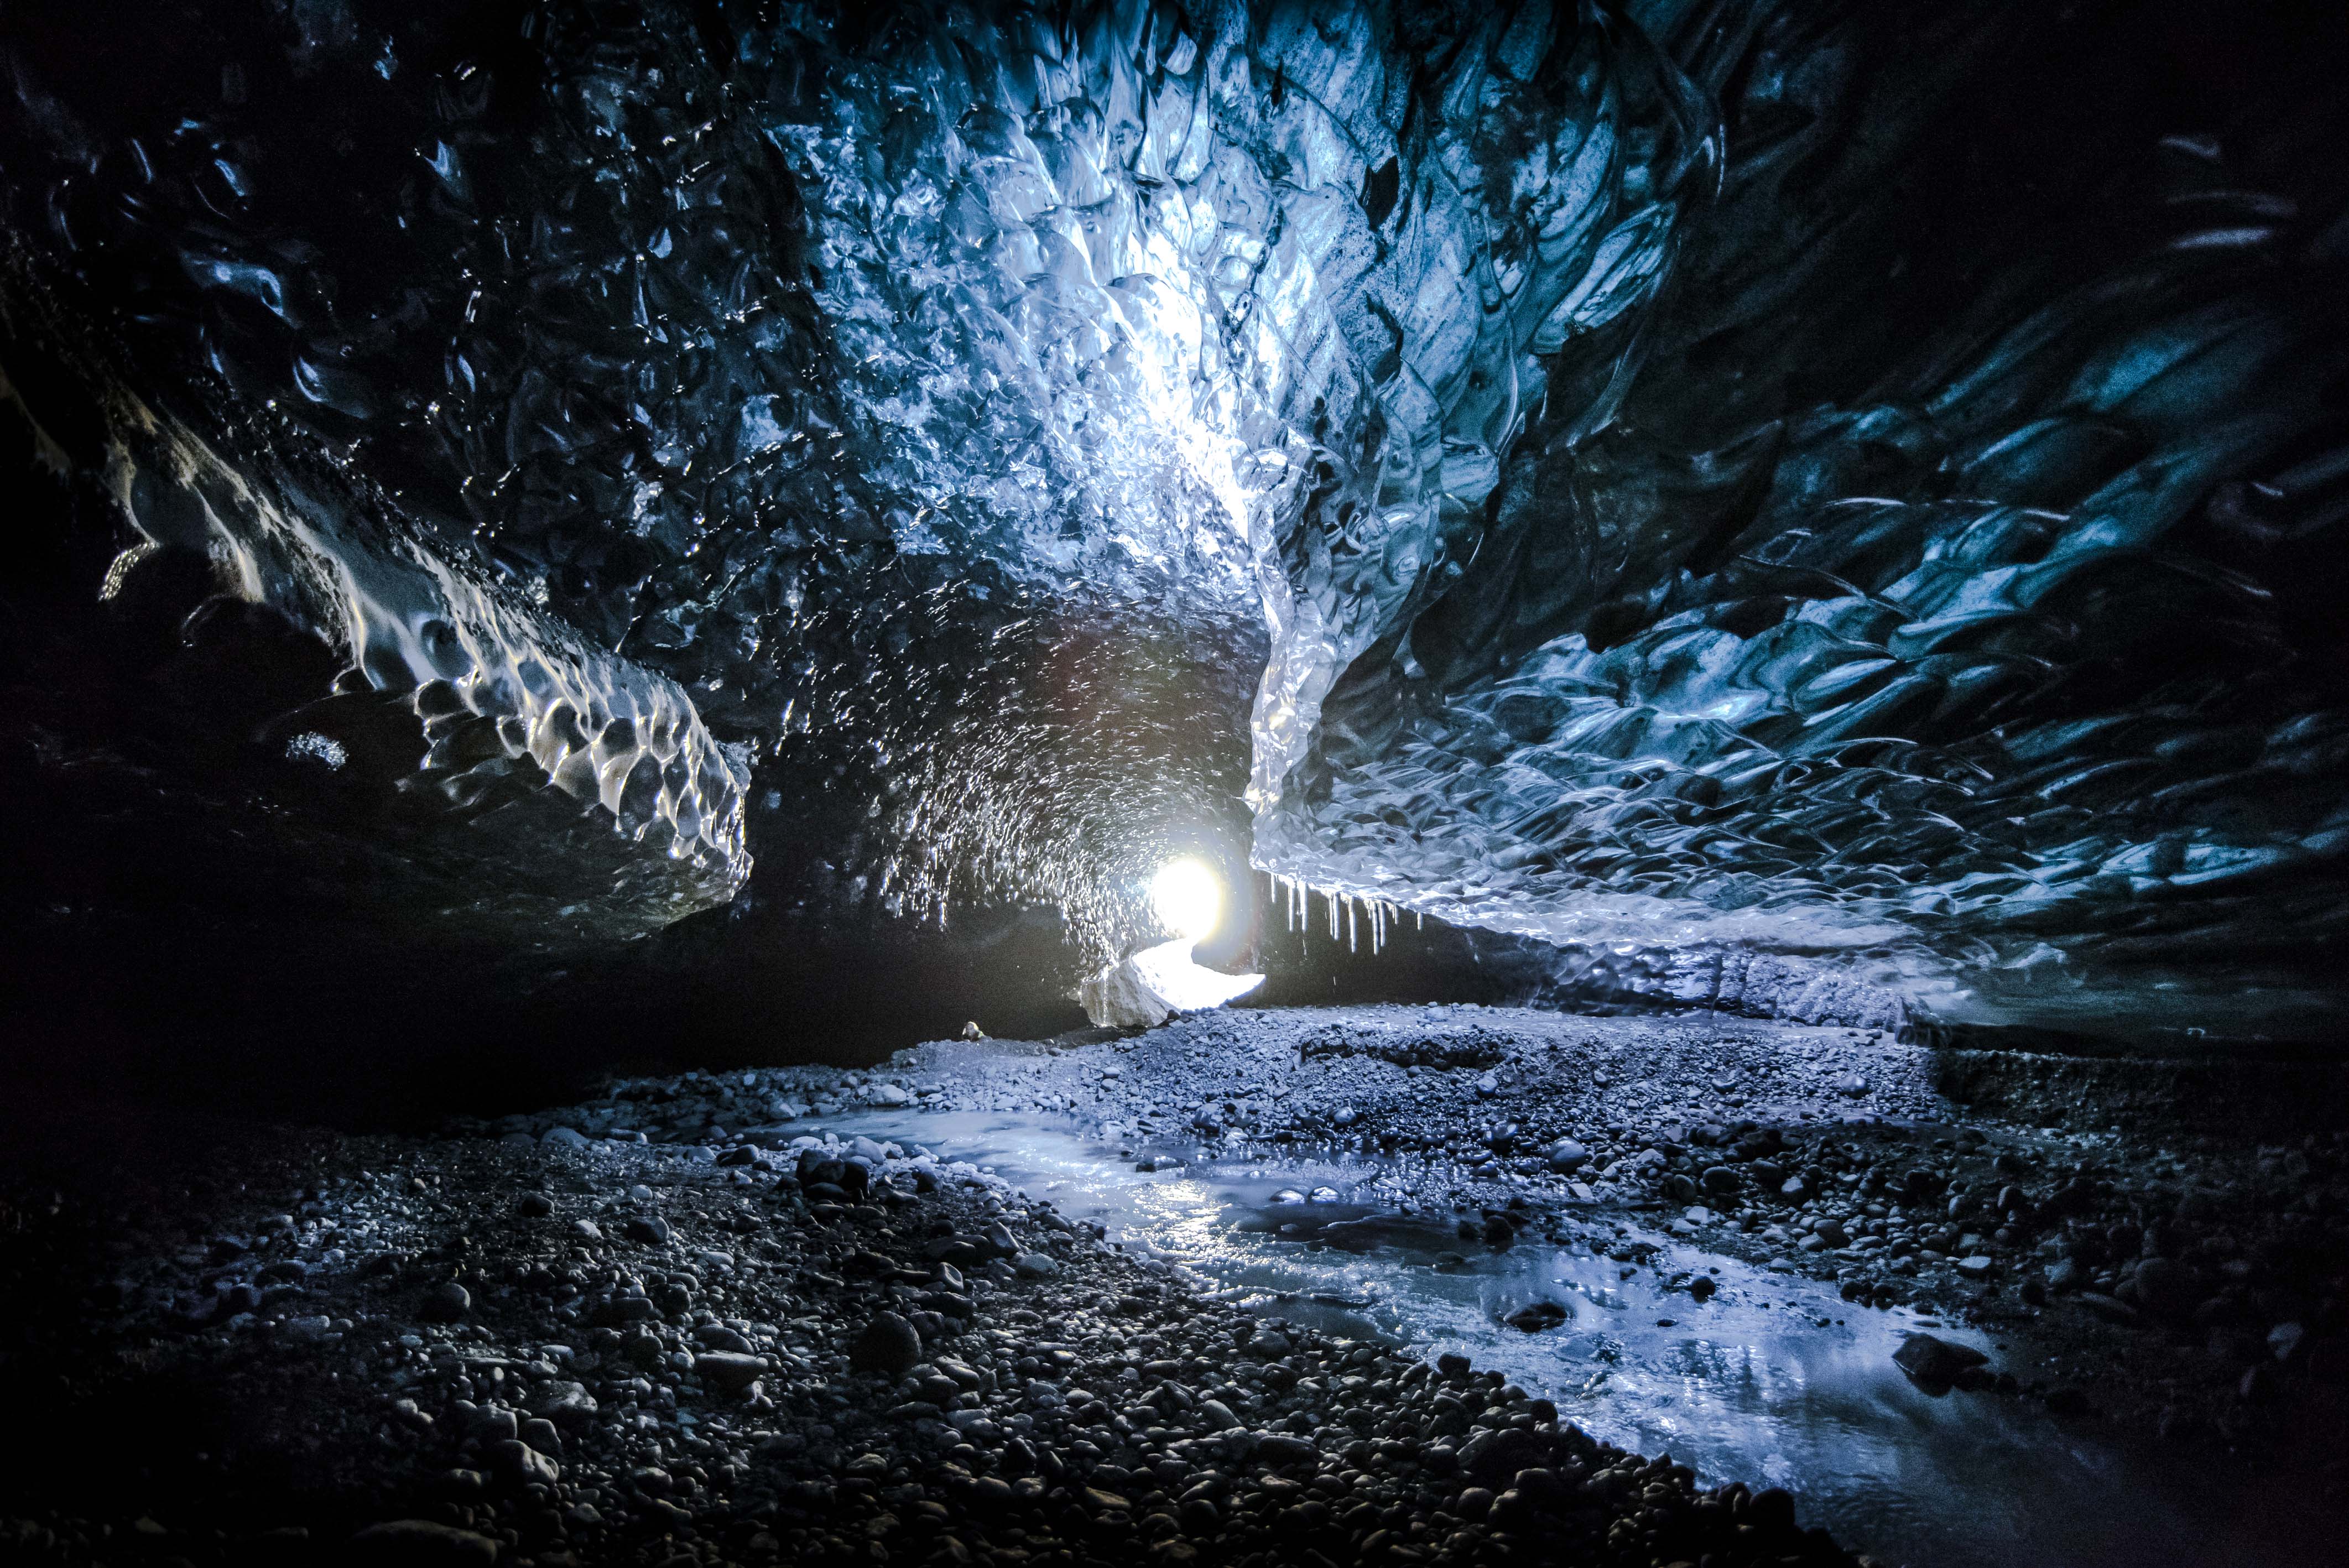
1187	897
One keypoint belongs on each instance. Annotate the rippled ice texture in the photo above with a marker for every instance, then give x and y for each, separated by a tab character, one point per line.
1783	475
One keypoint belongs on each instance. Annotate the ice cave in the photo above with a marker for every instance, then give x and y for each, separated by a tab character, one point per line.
1257	783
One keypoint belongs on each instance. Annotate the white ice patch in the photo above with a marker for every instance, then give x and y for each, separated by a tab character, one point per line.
1155	983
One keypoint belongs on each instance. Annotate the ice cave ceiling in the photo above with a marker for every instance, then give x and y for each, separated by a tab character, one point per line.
1863	483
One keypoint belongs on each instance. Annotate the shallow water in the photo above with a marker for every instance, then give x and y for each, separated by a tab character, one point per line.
1774	1381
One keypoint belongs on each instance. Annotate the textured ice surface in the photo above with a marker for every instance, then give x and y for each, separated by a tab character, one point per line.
1746	486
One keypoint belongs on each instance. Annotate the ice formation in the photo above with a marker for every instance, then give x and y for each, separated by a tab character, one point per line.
1786	484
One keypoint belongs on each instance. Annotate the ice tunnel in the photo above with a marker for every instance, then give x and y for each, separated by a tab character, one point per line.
1631	479
557	538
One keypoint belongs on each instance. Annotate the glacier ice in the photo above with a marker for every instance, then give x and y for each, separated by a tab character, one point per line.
1725	490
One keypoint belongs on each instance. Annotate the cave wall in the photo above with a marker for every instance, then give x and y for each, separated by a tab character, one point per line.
1843	495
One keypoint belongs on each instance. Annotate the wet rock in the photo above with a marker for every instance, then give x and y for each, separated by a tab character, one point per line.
650	1230
889	1345
1934	1362
1536	1319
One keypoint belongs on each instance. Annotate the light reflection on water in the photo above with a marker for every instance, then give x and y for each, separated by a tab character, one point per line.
1774	1381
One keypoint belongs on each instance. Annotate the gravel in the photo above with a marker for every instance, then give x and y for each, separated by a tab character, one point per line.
704	1330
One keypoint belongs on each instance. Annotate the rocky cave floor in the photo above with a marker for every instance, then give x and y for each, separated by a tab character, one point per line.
685	1324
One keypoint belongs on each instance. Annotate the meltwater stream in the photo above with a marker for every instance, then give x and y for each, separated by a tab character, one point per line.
1774	1381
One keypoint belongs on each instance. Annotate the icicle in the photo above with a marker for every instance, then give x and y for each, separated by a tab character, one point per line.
1349	924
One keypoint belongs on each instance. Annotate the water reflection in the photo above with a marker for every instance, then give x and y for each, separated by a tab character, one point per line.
1772	1381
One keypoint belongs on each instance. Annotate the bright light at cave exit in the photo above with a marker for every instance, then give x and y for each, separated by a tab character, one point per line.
1188	898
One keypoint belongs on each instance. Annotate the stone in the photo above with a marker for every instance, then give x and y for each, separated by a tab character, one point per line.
1567	1156
729	1372
2167	1289
2285	1340
304	1331
491	1426
421	1544
1540	1316
1977	1265
648	1229
1036	1266
889	1345
1494	1456
534	1206
517	1461
447	1302
1282	1449
1934	1362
